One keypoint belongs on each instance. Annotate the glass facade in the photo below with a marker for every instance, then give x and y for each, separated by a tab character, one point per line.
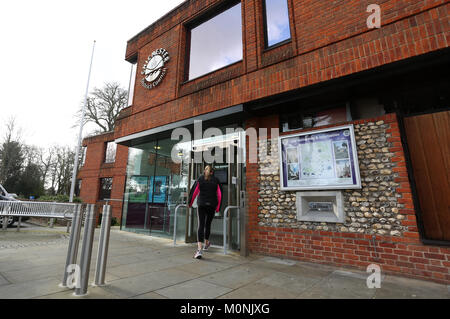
155	186
159	174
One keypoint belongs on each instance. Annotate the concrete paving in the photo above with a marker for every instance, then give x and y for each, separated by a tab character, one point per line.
144	267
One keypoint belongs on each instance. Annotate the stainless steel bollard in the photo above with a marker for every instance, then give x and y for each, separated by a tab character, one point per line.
86	250
102	255
52	222
175	223
5	223
225	221
74	241
18	223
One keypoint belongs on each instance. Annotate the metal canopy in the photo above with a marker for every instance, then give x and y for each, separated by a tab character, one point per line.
190	121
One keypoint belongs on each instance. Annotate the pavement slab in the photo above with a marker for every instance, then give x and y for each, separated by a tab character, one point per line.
236	277
257	290
194	289
30	289
144	267
338	286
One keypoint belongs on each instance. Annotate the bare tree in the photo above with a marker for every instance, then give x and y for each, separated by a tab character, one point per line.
104	105
11	155
60	164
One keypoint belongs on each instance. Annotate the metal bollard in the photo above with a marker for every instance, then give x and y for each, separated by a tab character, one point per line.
52	222
175	223
103	244
5	223
86	250
74	241
18	223
68	226
225	221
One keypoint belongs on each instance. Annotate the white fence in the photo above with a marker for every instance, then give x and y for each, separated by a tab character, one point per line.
37	209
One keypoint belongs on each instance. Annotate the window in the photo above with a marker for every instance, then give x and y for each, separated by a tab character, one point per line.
105	188
83	155
215	43
110	152
276	22
132	83
77	187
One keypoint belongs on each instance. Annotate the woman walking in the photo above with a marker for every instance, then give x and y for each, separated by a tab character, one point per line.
209	192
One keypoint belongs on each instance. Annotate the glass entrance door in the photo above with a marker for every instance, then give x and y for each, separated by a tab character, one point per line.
228	171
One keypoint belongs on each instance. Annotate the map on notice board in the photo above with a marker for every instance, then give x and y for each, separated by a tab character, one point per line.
323	159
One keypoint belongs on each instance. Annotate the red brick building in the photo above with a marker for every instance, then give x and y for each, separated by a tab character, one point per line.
103	174
356	170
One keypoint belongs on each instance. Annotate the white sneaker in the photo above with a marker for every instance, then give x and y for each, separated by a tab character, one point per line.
198	254
207	246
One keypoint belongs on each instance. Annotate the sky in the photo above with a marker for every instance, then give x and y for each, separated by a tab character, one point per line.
45	52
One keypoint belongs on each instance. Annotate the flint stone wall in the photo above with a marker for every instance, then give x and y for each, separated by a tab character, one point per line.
373	209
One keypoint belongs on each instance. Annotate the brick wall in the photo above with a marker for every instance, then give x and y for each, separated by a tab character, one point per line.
397	248
95	168
328	41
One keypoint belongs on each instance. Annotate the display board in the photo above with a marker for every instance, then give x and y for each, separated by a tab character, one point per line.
157	192
318	160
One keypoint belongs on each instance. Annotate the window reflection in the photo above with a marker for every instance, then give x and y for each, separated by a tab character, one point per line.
216	43
110	152
155	186
105	188
277	22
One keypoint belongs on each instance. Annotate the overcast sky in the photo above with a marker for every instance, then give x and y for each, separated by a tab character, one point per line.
45	52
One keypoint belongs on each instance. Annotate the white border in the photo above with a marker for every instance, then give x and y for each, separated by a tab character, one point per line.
320	187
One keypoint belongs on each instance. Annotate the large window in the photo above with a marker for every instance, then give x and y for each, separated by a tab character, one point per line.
105	188
110	152
216	43
276	22
155	186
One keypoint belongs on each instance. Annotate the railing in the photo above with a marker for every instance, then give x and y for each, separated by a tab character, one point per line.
175	223
225	221
35	209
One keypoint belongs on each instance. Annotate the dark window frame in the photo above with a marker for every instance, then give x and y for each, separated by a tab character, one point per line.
268	47
188	26
101	189
78	185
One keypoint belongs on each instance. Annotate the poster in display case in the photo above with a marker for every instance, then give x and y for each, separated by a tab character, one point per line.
137	189
319	160
158	189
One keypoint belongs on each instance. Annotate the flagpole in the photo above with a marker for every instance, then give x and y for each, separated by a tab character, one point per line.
77	151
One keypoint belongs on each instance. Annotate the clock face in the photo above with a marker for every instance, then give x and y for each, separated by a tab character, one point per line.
154	70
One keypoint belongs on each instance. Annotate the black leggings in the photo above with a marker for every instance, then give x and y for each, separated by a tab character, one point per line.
205	218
